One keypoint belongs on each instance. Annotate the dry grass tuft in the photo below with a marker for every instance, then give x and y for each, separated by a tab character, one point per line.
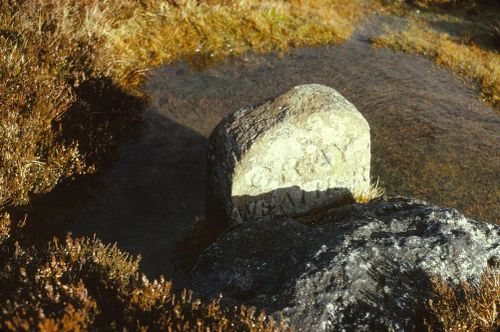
375	191
466	308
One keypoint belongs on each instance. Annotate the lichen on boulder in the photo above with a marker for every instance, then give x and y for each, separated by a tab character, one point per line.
359	267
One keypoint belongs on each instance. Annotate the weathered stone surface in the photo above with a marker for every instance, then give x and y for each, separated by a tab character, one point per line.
361	267
307	147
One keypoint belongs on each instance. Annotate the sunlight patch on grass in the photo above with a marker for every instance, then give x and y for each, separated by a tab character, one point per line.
467	60
203	33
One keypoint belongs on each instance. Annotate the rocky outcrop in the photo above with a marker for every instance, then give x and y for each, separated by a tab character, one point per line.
360	267
286	171
303	149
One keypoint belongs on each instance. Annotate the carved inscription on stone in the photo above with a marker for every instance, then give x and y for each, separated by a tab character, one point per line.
304	149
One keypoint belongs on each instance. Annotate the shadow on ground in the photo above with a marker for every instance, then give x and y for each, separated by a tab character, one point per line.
152	195
431	138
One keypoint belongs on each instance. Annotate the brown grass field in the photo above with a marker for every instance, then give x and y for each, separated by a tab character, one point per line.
70	75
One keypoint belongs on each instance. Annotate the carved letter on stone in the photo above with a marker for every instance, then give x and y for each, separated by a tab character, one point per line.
303	149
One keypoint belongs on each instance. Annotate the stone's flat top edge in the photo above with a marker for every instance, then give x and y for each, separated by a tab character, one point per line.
249	122
309	86
298	91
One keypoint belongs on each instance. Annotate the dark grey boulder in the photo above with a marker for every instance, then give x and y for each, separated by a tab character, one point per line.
359	267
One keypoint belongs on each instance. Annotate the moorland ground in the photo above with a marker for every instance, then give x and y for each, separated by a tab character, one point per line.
71	75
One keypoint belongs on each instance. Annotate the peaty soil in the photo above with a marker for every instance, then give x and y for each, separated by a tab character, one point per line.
432	138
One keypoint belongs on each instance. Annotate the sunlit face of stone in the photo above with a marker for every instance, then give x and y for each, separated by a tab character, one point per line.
307	148
316	153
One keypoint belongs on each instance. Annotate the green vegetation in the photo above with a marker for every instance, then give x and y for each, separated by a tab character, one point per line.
70	72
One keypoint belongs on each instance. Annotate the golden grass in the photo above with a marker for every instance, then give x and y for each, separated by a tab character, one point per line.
466	308
207	32
468	60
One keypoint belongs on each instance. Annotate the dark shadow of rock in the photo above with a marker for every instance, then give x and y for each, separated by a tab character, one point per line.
153	194
280	202
216	223
249	286
102	117
396	300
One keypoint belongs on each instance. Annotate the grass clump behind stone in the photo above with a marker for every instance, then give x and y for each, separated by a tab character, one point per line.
202	32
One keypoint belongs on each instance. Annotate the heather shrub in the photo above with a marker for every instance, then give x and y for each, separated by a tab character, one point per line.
34	94
50	128
83	284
